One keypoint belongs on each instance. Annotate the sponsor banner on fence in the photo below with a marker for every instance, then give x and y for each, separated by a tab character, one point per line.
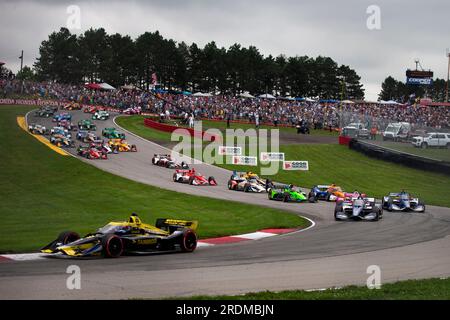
230	151
245	160
30	102
296	165
272	156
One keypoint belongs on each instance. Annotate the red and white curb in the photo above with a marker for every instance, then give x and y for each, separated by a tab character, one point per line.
244	237
201	243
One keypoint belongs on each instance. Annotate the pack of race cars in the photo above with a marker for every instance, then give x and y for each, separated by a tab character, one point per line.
349	205
91	146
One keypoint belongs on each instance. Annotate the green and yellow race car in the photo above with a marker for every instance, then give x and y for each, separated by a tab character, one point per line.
289	193
132	236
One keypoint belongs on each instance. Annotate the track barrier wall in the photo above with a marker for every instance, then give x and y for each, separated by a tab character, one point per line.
170	128
405	159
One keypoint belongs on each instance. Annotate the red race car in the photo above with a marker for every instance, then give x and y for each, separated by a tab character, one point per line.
93	109
193	178
91	153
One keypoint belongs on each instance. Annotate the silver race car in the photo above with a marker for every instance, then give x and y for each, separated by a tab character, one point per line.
402	201
359	208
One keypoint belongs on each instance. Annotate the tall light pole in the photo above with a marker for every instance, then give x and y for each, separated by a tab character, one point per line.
448	74
21	61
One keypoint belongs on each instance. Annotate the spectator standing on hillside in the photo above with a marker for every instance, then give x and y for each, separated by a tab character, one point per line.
257	120
191	120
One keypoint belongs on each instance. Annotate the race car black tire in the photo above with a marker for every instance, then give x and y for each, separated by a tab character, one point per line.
328	197
188	241
247	188
230	186
153	161
175	178
112	246
191	180
269	194
335	216
67	237
286	198
312	197
337	208
212	179
377	215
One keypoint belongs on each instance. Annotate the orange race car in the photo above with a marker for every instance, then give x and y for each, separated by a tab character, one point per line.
122	145
72	106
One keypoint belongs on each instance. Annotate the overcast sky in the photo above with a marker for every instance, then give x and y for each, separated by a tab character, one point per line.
410	29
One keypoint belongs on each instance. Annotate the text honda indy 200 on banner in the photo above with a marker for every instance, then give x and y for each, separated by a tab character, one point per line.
358	208
193	178
132	236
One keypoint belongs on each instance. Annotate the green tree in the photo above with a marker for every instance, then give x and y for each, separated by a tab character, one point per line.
26	74
58	58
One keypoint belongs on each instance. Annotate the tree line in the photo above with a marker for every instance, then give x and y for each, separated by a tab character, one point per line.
96	56
392	89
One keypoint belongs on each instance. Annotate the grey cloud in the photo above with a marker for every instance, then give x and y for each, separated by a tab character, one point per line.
410	29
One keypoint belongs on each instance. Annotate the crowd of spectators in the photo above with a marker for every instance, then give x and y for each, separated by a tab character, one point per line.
226	107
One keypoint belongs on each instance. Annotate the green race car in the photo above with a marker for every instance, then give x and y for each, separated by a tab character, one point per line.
86	125
112	133
289	193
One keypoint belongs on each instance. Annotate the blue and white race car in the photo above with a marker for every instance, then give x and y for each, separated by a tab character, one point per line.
320	191
402	201
62	116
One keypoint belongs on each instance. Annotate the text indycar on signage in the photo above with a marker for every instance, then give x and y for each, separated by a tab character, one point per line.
296	165
245	160
272	156
230	151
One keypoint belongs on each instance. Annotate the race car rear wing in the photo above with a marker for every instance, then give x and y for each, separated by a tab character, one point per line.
174	224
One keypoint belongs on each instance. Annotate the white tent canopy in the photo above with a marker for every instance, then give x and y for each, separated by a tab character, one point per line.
309	100
246	95
106	86
348	102
200	94
266	96
391	102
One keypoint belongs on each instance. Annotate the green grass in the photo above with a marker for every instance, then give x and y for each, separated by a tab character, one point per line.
44	193
350	169
429	289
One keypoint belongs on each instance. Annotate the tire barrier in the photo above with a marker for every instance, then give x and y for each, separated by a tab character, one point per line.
170	128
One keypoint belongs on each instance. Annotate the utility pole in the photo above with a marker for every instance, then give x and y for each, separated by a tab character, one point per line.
448	74
21	61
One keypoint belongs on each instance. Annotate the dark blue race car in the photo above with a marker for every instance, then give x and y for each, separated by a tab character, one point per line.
402	201
320	191
62	116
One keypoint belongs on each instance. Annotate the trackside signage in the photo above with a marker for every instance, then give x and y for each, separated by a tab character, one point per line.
29	102
245	161
230	151
272	156
296	165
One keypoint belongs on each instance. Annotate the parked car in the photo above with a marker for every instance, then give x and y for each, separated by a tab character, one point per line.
432	139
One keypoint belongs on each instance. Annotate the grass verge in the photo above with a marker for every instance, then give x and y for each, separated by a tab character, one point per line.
429	289
44	193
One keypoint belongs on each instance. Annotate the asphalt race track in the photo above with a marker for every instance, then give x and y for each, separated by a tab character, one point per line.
403	245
